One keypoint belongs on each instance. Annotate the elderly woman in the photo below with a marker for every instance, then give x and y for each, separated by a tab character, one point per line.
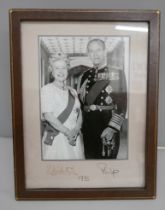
60	108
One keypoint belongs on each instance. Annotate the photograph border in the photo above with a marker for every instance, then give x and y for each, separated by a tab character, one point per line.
152	17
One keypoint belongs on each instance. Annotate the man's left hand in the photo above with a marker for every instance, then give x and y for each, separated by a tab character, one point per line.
108	133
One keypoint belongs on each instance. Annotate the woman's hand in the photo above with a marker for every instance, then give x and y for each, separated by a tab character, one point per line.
72	142
74	132
72	136
66	132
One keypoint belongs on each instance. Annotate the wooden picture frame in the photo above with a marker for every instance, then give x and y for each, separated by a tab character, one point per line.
62	16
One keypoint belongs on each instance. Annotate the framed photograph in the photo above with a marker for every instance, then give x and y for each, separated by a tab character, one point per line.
84	99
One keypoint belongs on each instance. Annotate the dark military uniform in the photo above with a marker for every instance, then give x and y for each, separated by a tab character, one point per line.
103	97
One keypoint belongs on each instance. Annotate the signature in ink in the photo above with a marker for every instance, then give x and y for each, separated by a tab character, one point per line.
66	171
61	170
107	170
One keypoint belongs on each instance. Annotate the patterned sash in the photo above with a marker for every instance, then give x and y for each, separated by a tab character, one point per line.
95	91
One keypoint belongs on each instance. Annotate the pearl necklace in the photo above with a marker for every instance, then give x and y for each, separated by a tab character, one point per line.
60	87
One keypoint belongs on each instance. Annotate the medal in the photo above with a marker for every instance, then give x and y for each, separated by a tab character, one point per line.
108	100
108	89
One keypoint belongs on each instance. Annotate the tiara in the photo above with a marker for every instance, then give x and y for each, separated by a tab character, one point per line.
58	56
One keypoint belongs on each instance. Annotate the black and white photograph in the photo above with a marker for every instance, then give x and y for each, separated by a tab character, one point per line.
84	83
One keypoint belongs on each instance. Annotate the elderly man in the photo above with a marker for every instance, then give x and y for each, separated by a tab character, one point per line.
102	92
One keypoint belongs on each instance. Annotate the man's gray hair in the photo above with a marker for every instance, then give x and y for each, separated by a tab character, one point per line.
99	41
